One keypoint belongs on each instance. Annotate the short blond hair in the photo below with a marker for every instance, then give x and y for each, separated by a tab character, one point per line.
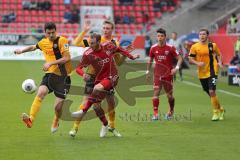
109	22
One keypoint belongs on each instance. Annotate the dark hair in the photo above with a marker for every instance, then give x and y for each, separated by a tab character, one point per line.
50	25
162	31
95	35
109	22
205	30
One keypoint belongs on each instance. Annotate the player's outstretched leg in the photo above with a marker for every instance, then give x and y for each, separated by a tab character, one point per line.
35	107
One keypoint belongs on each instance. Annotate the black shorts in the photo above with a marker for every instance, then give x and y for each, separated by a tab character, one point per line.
59	85
209	83
89	85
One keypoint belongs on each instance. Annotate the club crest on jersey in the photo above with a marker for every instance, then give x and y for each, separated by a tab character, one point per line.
166	53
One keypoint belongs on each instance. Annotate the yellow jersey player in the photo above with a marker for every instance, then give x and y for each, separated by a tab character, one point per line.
107	30
207	57
57	69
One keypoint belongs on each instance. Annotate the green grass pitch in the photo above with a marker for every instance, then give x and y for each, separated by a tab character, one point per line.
191	136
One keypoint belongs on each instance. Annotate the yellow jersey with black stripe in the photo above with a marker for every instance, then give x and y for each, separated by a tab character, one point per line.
117	56
200	53
53	50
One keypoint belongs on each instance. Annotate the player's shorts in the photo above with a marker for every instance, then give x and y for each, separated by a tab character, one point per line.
165	83
59	85
109	84
89	85
209	83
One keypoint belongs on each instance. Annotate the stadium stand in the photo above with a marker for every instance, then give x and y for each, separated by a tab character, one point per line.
28	20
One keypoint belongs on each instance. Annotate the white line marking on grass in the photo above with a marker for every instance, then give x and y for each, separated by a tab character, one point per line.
219	90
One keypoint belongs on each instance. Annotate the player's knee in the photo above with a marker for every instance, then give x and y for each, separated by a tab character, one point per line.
170	96
42	93
98	87
212	93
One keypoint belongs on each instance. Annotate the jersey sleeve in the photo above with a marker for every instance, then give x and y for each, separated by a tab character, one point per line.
151	54
63	45
79	40
85	60
192	52
39	45
216	49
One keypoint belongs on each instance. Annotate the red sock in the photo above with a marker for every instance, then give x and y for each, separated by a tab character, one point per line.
155	102
104	121
171	103
90	101
100	113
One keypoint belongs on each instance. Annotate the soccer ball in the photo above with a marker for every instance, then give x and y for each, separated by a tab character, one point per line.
29	86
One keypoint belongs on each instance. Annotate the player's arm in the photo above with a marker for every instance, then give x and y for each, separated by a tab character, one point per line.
78	41
65	58
122	58
127	54
192	58
26	49
149	66
179	62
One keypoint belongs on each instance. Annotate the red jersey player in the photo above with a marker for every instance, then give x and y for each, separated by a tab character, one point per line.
100	56
163	55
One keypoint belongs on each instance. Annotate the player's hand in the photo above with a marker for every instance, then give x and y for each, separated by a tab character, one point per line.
135	56
173	71
148	77
17	51
87	26
46	66
200	64
130	48
86	77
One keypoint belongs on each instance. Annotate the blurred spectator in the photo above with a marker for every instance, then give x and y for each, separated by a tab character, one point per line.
228	27
118	20
9	17
233	23
238	27
75	14
126	19
26	4
147	45
67	2
35	5
236	58
75	17
156	6
46	5
39	29
67	17
175	42
126	2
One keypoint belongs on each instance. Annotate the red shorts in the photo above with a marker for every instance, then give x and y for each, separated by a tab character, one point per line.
166	83
108	84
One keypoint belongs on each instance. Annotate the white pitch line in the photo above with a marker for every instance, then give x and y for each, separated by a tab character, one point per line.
218	90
